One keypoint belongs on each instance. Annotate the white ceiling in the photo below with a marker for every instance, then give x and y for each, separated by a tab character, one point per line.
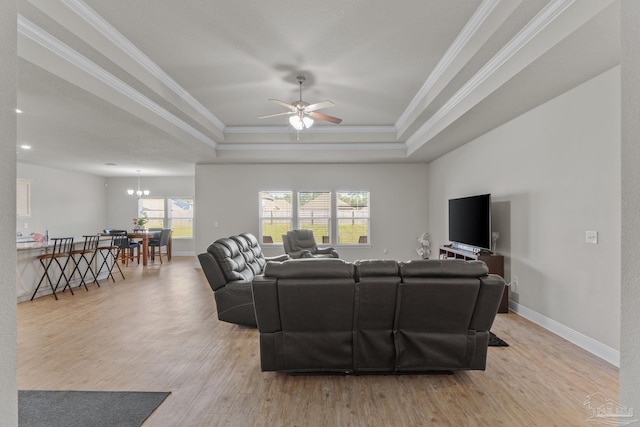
161	85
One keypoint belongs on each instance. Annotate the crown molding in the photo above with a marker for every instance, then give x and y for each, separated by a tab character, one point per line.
428	92
36	34
314	129
96	21
544	18
311	146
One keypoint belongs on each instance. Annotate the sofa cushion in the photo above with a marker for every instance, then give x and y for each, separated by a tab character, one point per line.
310	268
443	268
376	268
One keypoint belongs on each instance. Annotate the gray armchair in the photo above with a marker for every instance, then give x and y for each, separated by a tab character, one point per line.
302	244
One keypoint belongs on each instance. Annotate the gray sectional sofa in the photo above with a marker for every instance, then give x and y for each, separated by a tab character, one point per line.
328	315
370	316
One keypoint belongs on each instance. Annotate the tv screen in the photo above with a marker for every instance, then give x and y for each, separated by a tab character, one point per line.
470	221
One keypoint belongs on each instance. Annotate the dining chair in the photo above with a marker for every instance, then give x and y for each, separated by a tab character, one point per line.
60	256
163	240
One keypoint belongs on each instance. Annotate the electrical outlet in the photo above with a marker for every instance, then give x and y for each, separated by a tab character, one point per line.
514	283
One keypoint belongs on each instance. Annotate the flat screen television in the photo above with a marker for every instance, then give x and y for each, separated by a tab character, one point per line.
470	221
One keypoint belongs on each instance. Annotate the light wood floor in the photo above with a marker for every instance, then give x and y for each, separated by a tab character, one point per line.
158	331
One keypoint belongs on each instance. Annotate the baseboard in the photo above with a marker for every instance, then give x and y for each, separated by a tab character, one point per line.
594	347
183	253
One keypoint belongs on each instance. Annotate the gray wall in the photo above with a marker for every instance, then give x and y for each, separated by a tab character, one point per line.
68	204
8	103
630	65
553	173
228	195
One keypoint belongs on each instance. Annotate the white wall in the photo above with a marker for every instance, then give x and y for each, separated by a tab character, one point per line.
8	102
228	195
630	66
553	173
68	204
122	208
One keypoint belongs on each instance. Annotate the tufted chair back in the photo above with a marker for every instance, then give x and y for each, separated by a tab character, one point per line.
250	250
232	263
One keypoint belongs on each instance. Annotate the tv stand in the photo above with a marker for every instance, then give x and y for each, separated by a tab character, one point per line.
494	262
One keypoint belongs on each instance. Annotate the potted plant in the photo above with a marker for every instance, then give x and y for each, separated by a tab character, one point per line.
139	222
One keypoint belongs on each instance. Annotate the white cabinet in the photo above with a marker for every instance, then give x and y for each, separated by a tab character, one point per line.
23	198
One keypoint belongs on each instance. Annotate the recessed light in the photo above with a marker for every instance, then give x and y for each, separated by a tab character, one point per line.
110	164
18	110
25	147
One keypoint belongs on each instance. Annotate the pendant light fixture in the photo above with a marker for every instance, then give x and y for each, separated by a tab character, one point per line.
139	193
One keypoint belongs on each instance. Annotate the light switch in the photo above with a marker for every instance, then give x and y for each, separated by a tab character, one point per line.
591	237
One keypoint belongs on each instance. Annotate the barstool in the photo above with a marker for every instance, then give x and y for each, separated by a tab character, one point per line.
86	254
62	247
112	252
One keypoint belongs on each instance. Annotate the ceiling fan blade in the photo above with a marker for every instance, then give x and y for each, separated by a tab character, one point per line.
284	104
325	117
318	106
286	113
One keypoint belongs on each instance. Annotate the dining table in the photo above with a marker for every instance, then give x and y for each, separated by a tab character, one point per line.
145	236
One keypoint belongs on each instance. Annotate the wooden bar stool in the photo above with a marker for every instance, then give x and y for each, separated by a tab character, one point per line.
111	252
86	254
60	255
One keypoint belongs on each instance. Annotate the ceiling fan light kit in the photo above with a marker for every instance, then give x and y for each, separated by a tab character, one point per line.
300	122
302	113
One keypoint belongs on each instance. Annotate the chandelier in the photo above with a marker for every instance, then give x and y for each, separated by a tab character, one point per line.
139	193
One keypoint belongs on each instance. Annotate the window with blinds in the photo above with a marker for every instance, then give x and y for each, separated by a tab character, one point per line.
353	217
340	218
314	213
276	215
175	213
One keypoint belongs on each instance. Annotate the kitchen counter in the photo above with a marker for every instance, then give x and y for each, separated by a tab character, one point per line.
29	270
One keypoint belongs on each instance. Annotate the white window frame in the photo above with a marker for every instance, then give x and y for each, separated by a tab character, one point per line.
276	239
167	219
328	218
366	218
333	219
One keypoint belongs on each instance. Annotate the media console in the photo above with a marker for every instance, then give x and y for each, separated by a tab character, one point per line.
495	263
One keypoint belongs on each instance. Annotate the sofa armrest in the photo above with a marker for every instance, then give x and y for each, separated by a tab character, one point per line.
211	271
327	250
302	253
265	303
282	257
487	303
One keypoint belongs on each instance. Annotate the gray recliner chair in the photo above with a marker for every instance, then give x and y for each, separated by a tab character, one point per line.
302	244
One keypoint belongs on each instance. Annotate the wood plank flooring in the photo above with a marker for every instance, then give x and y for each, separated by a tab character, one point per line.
158	331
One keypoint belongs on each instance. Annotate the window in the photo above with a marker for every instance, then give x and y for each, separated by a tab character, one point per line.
175	213
180	217
353	217
343	219
152	208
276	215
314	213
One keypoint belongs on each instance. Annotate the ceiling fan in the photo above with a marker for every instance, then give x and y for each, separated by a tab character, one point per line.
302	113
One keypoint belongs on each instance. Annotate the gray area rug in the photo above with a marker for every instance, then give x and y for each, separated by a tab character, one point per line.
38	408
